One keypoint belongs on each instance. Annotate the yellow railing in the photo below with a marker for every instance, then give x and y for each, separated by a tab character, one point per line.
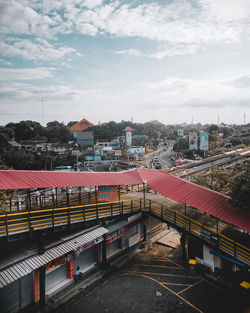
28	221
11	223
222	242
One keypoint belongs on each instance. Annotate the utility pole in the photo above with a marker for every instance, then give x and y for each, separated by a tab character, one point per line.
244	118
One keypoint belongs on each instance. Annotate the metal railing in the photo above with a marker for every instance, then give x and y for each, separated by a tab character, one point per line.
188	224
12	223
28	221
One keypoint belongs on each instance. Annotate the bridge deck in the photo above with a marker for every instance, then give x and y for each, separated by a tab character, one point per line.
30	221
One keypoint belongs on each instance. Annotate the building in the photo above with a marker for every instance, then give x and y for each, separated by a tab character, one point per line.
79	131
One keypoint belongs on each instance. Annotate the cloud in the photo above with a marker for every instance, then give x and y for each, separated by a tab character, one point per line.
35	50
17	74
134	52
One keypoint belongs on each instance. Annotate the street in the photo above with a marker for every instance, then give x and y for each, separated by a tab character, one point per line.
156	282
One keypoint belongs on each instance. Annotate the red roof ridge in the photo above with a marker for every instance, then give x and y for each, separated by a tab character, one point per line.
82	125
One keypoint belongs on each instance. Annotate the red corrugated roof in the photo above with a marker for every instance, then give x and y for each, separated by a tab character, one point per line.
82	125
43	179
206	200
175	188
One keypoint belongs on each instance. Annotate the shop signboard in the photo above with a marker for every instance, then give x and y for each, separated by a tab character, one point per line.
97	158
90	244
180	132
193	139
208	235
204	141
107	193
89	158
115	235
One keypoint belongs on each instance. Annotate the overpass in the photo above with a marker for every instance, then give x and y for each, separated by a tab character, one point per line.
208	201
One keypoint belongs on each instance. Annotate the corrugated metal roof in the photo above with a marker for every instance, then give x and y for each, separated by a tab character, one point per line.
22	268
45	179
206	200
170	186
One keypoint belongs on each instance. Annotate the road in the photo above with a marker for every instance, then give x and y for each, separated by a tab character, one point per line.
164	153
156	282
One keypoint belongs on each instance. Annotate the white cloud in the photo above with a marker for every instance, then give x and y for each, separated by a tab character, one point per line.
134	52
34	50
16	74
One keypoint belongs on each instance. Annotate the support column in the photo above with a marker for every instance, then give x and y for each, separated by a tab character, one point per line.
104	253
144	196
144	232
70	268
42	287
36	286
183	250
119	193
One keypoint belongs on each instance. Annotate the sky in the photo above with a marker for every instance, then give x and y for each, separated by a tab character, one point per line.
173	61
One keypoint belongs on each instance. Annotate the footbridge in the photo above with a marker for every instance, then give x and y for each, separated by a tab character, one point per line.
210	202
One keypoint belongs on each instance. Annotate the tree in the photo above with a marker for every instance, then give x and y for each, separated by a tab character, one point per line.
27	130
240	190
53	124
71	123
217	179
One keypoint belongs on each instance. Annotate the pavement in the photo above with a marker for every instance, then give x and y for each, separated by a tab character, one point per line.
155	281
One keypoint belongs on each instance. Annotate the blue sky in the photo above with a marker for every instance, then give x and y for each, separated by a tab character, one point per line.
113	60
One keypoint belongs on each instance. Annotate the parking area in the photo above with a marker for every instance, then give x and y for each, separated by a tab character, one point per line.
156	282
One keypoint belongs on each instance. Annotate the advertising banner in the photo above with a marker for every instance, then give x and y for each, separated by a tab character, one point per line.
204	141
107	193
136	150
193	139
180	132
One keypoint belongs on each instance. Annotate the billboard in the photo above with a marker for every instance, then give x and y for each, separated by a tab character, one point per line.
204	141
193	139
136	150
180	132
107	193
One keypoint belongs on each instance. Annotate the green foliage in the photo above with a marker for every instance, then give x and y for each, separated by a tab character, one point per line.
240	190
217	179
181	144
22	160
60	134
111	130
71	123
27	130
30	130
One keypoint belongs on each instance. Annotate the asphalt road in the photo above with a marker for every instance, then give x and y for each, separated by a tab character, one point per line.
156	282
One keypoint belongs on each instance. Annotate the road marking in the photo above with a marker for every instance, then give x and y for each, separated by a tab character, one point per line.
161	284
190	286
160	266
162	274
174	284
162	259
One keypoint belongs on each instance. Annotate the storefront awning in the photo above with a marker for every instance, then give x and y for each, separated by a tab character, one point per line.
26	266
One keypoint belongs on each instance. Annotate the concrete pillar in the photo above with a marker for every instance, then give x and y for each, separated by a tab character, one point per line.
42	287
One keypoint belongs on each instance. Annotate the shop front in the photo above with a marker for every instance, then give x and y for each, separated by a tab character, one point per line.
114	241
17	295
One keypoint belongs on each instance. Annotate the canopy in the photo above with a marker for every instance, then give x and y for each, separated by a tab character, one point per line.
177	189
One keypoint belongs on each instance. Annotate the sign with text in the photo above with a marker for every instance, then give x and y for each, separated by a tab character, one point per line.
107	193
204	141
180	132
193	139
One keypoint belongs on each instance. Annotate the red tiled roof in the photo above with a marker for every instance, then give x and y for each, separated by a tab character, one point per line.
177	189
127	129
82	125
